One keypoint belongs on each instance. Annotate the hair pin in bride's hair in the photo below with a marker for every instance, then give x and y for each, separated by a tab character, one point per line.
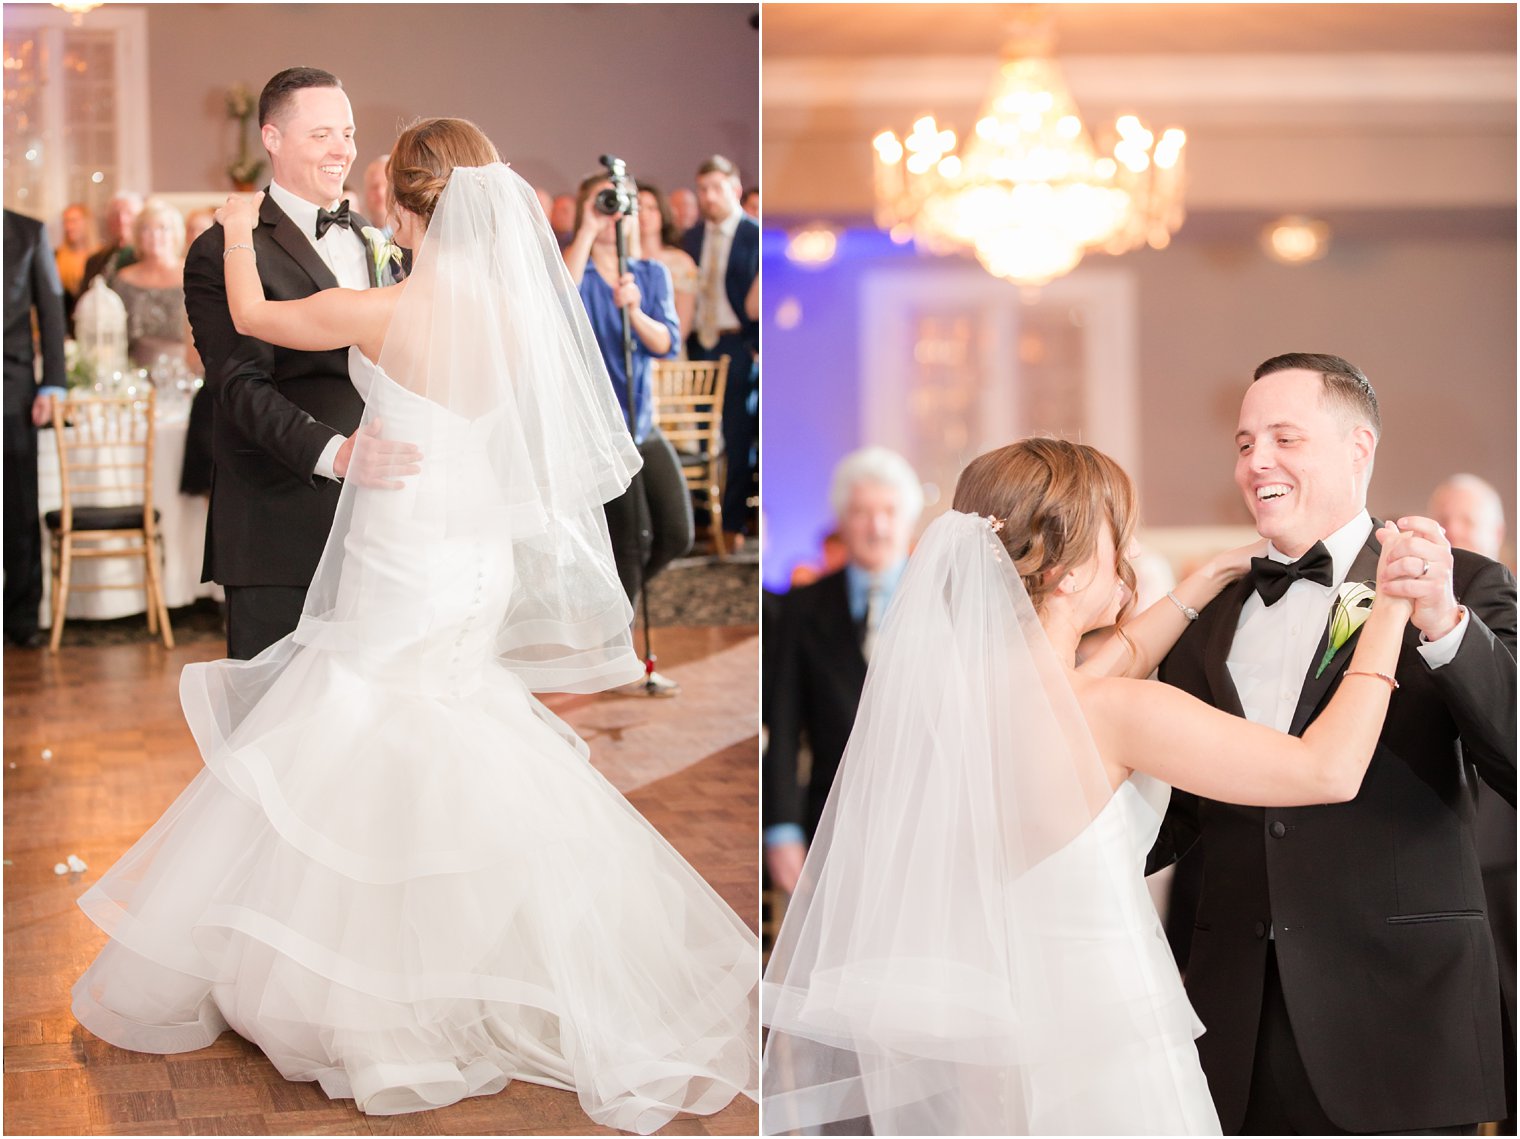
995	524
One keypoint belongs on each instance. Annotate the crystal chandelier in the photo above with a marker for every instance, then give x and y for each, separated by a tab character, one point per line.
78	9
1030	193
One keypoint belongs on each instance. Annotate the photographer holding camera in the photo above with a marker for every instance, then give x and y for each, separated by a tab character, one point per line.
650	524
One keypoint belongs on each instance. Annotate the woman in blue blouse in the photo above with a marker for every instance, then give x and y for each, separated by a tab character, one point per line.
651	524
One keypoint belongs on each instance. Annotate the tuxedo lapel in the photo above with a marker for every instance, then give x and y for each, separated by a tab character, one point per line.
1225	615
289	237
377	280
1316	688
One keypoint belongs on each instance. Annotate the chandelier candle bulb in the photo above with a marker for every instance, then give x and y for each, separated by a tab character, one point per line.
1030	194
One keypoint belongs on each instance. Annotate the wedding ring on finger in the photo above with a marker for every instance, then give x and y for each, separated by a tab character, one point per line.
1424	566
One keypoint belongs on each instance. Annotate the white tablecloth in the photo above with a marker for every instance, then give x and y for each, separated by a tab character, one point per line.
182	522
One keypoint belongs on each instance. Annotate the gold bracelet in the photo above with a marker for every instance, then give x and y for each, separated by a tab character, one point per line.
1392	683
239	245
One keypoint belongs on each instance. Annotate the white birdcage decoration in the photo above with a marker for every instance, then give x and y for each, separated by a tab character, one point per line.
100	329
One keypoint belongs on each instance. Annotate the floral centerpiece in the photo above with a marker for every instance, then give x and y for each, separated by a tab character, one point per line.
244	170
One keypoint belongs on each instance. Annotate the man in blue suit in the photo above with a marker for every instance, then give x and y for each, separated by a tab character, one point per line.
726	248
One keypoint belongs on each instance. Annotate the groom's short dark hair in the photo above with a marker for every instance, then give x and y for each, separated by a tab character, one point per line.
1345	384
275	98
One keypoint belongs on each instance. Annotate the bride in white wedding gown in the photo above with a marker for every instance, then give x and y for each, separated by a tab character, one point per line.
398	874
971	948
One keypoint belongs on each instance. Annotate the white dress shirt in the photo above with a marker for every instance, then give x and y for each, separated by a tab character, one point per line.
1275	645
714	312
344	252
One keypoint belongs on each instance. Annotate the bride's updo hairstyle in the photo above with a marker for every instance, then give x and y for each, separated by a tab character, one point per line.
426	154
1052	496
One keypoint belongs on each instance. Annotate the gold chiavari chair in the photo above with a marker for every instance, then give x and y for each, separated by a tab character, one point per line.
105	468
688	407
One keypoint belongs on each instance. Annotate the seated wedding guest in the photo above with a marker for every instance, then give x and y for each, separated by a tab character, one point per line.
825	636
661	241
750	202
377	195
650	523
562	218
198	222
833	557
1472	514
153	287
73	254
117	253
684	208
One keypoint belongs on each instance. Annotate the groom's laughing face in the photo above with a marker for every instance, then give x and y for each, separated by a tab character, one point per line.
1300	463
311	145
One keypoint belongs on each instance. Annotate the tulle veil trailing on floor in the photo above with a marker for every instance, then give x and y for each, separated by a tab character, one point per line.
397	873
971	949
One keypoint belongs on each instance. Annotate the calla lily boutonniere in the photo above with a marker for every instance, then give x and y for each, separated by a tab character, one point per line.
382	250
1353	603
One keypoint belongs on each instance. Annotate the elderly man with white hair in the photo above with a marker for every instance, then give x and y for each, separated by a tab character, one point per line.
825	636
120	217
1471	512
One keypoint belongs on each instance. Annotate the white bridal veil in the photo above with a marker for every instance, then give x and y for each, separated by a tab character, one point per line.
490	367
946	965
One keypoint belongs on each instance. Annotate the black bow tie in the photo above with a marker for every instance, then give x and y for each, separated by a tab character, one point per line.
326	219
1271	579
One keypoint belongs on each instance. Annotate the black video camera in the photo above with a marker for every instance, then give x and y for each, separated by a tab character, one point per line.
620	197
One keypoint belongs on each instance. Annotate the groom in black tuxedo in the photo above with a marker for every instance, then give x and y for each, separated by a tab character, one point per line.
1341	961
285	421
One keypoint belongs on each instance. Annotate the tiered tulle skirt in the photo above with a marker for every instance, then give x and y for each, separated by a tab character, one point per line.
415	898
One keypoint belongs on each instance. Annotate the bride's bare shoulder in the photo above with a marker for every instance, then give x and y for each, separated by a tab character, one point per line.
1112	705
1107	692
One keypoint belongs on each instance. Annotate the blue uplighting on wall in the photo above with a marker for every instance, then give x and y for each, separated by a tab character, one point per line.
810	386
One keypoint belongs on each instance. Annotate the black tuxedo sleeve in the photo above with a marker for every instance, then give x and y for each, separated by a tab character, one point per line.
240	371
781	793
1479	683
47	296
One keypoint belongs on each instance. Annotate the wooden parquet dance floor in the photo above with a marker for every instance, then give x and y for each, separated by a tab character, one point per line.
119	752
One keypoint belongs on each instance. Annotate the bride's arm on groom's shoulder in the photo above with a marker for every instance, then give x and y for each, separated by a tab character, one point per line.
1150	635
1181	740
330	318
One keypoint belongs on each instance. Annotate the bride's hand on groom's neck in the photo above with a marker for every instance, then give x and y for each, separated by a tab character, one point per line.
1232	565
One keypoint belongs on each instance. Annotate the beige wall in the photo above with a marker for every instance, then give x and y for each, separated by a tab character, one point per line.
661	85
1431	322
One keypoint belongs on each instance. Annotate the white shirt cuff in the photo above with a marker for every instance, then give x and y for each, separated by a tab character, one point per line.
328	458
780	834
1444	651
